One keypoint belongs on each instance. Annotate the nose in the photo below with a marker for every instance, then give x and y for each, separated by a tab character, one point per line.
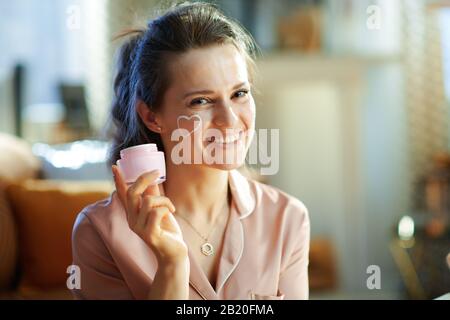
225	116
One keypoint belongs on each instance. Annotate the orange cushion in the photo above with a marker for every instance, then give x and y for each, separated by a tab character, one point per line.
8	243
45	212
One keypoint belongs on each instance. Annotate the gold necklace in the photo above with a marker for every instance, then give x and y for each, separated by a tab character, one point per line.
206	248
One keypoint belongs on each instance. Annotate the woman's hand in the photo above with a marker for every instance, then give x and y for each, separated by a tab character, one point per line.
150	216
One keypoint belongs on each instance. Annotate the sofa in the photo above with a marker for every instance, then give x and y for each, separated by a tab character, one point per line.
36	220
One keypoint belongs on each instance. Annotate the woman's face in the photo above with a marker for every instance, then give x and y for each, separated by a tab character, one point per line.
209	97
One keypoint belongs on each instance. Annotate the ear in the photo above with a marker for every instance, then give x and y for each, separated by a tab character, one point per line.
148	117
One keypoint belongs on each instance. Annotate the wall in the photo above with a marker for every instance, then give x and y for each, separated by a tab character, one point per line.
342	152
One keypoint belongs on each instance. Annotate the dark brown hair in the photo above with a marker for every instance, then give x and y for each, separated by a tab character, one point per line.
142	64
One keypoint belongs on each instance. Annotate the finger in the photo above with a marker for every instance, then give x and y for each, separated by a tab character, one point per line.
120	185
122	192
161	189
157	201
174	223
148	204
154	219
142	219
134	192
153	190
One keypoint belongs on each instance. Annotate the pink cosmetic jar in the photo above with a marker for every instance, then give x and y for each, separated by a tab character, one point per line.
137	160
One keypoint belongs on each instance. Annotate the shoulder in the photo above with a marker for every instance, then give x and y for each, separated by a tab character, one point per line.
94	220
271	200
280	216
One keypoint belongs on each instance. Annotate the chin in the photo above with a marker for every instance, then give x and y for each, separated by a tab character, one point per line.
226	167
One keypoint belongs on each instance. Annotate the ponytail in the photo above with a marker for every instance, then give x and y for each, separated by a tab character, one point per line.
129	129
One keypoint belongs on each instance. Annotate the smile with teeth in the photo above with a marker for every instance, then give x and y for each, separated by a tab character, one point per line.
229	139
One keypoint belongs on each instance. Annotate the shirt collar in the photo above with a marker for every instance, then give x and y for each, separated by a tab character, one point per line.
242	194
243	198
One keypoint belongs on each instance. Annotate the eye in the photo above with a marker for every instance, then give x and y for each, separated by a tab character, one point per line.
241	93
199	101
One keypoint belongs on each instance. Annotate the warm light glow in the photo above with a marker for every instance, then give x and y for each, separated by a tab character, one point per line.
73	155
406	228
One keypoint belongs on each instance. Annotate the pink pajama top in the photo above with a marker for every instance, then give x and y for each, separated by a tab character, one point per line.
264	255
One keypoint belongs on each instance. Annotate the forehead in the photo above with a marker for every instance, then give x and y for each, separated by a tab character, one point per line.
213	67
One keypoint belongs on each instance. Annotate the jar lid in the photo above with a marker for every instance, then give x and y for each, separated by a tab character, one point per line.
139	150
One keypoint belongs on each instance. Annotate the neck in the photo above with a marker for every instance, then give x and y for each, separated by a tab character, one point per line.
197	192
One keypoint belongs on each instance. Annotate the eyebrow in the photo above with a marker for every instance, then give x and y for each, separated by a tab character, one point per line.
209	91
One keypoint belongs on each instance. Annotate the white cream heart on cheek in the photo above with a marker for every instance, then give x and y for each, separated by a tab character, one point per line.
197	122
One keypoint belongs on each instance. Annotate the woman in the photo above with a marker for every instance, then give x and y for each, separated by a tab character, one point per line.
147	241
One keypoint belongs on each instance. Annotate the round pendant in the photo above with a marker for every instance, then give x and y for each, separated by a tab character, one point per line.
207	249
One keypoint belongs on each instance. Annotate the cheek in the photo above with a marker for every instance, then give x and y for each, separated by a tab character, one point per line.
249	114
195	122
183	118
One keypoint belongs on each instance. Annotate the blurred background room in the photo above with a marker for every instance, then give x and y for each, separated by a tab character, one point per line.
360	93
